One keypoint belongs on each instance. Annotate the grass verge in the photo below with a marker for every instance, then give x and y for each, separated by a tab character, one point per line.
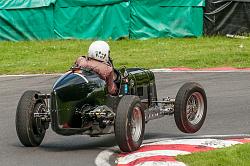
58	55
235	155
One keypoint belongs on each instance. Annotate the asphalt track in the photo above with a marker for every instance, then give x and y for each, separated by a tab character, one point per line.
228	113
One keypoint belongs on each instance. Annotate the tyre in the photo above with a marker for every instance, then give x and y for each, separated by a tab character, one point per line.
30	130
190	107
129	123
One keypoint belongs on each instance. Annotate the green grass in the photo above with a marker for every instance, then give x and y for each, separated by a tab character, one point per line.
238	155
57	55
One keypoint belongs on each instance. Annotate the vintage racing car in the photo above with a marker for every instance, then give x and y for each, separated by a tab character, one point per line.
80	104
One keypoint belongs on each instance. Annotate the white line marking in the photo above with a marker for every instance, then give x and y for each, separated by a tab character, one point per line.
103	158
217	136
161	70
214	143
199	136
134	156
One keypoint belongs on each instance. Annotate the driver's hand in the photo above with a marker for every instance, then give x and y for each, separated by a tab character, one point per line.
75	67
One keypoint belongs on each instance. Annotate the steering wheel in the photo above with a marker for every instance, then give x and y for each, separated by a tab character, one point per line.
117	76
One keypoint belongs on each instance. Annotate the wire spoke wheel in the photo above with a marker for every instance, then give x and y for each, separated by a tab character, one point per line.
190	107
136	124
195	108
129	123
30	130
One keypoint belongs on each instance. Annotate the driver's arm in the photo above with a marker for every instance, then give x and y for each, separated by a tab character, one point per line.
81	61
112	88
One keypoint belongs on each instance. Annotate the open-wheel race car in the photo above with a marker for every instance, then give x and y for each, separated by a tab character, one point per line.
80	104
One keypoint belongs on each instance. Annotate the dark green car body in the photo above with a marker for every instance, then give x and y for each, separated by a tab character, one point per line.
76	93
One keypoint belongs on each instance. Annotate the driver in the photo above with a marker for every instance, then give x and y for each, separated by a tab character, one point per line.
99	61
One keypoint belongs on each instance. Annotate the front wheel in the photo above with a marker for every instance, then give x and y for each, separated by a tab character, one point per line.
190	107
129	123
30	130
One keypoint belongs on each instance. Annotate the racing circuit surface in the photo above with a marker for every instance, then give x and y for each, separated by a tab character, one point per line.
228	96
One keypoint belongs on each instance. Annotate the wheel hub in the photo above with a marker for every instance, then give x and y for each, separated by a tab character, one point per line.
195	108
136	124
38	124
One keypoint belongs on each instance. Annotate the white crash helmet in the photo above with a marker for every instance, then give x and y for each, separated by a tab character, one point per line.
99	50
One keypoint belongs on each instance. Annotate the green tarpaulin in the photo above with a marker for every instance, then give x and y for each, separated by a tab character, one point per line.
99	19
93	22
26	20
24	4
27	24
71	3
167	18
173	3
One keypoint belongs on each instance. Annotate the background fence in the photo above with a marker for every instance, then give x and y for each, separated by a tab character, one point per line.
99	19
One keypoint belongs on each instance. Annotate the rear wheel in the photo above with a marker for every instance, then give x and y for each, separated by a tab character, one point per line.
129	124
190	107
30	130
